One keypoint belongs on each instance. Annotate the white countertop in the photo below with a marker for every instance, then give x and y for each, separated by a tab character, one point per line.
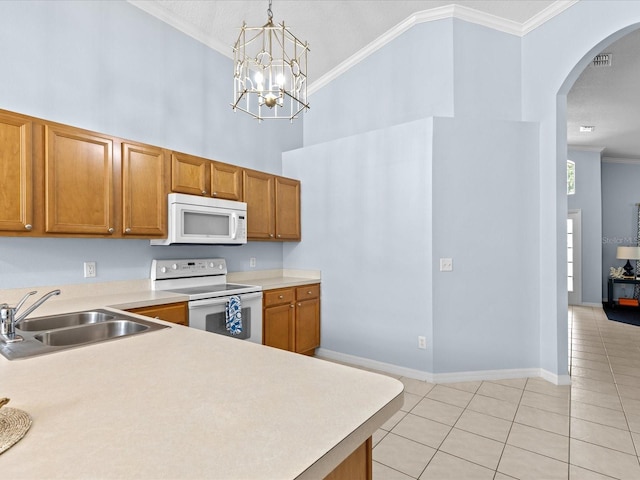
184	403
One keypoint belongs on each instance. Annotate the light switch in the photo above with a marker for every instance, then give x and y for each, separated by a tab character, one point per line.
446	264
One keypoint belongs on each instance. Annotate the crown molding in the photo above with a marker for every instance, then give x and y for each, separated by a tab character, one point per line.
582	148
628	161
448	11
548	13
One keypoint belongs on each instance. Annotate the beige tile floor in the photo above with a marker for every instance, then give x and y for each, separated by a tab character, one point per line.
526	428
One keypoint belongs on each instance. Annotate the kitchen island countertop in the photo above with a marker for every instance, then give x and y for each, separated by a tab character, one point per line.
184	403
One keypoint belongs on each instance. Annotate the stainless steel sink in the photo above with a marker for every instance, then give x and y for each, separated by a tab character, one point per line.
97	332
54	333
61	321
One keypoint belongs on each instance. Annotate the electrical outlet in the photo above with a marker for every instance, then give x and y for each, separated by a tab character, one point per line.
422	343
89	269
446	264
252	262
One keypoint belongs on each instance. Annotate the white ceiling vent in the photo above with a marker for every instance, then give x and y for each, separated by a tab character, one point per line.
602	60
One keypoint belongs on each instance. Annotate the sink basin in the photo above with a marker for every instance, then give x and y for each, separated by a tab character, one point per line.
54	333
61	321
96	332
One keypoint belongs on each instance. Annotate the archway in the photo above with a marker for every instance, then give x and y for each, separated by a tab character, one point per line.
561	158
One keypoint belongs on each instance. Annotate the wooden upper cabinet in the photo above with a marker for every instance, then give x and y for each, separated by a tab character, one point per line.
226	181
16	191
200	176
287	209
78	182
144	190
190	174
259	195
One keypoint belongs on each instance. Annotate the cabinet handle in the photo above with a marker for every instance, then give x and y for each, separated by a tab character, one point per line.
292	305
127	230
299	304
279	235
215	194
110	230
271	235
309	292
28	226
281	296
204	192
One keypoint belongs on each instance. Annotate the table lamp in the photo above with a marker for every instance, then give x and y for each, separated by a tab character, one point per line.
628	253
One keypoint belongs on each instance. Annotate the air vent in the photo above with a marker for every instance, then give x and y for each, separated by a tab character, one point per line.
602	60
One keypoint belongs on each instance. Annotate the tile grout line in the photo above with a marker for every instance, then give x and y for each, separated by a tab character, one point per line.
615	383
504	446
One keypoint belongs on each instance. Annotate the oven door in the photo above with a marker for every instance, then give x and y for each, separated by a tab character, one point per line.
209	315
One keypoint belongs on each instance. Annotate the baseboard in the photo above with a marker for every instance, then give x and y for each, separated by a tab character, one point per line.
452	377
373	364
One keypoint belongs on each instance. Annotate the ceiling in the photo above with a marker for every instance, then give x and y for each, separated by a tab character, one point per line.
339	30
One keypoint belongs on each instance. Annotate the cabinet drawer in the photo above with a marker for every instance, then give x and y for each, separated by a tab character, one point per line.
307	291
169	312
278	297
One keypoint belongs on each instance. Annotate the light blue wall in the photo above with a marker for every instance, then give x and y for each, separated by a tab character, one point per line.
485	218
409	79
110	67
447	198
589	200
486	67
366	216
620	196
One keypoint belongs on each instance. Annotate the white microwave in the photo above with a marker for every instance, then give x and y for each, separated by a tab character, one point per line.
205	221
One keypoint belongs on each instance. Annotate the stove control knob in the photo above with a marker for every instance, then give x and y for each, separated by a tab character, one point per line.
163	269
220	267
211	264
174	266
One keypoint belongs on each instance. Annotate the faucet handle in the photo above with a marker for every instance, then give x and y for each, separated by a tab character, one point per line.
24	299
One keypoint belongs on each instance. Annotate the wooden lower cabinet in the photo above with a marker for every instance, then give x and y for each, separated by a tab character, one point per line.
169	312
291	318
357	466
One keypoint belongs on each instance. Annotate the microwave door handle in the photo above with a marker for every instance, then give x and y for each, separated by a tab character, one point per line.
234	225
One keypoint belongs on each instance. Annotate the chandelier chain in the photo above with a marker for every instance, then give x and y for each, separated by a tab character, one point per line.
269	12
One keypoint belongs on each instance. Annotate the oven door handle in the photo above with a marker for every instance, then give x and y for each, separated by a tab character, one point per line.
212	302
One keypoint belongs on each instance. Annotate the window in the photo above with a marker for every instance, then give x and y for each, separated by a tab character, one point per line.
571	177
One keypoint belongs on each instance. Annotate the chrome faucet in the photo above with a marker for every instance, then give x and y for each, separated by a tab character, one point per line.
8	318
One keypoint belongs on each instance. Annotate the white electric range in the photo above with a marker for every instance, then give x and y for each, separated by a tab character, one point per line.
204	281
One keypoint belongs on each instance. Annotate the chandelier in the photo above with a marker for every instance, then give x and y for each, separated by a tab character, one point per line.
270	72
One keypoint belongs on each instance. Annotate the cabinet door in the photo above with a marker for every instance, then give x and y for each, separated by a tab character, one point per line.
226	181
189	174
258	192
278	326
79	186
287	209
16	165
144	195
307	325
171	312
